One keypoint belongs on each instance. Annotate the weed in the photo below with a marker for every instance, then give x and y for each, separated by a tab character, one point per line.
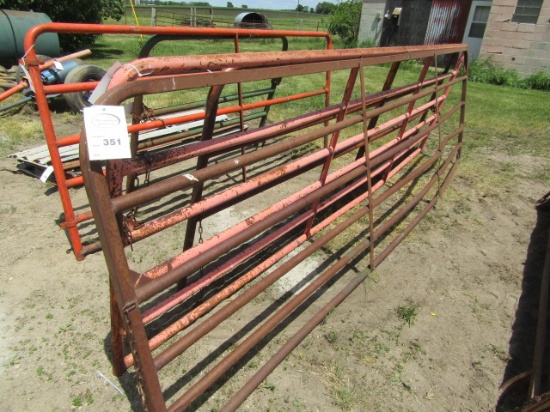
89	398
407	387
501	354
342	393
380	347
42	373
478	365
269	385
358	334
508	167
331	337
77	402
479	307
407	313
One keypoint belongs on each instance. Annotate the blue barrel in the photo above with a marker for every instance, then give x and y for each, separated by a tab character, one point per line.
13	28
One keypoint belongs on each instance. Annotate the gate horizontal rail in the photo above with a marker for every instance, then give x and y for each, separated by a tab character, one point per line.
367	168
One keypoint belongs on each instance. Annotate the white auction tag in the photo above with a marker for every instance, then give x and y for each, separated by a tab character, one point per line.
106	133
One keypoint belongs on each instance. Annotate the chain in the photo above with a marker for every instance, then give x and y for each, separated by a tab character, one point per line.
201	241
147	178
200	232
130	217
137	363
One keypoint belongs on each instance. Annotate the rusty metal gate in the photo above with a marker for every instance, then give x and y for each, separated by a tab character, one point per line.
74	219
194	233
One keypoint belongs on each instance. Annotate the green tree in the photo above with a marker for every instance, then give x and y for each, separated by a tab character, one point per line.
344	21
325	7
244	6
230	5
71	11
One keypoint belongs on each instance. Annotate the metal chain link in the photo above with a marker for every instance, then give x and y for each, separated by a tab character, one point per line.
137	364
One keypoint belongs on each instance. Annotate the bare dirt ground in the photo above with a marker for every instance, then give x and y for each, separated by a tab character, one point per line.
465	270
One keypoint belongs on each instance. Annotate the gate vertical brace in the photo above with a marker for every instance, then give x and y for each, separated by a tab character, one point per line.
334	139
367	157
202	161
410	108
388	83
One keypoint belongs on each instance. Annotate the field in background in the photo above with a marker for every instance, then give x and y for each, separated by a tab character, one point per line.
224	17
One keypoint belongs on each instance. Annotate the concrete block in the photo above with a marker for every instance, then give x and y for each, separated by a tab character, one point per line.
499	58
534	37
510	26
526	28
509	3
493	25
502	13
491	49
520	44
487	41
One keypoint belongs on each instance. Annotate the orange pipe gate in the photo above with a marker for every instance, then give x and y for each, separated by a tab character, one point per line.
217	222
72	220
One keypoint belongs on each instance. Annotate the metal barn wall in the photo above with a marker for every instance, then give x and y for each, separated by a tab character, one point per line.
410	27
425	22
447	21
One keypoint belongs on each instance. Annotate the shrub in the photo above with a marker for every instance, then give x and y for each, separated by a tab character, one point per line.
344	21
485	71
538	81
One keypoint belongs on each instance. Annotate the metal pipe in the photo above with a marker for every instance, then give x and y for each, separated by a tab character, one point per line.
238	398
159	66
180	182
207	279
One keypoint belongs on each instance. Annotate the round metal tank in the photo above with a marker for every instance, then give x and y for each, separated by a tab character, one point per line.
13	27
251	20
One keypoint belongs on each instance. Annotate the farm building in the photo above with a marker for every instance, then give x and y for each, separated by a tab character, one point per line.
514	33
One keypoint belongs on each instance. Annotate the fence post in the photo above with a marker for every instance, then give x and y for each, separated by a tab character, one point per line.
153	16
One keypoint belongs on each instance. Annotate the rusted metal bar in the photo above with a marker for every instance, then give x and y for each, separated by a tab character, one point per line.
254	137
180	296
262	60
179	182
344	188
238	398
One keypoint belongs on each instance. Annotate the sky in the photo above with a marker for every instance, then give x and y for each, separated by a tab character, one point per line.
268	4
